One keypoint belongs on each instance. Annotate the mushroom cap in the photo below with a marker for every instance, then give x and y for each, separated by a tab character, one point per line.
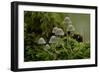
47	46
67	19
54	29
41	41
69	23
59	31
53	39
70	28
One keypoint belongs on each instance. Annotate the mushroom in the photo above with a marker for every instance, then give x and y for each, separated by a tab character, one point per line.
53	39
67	19
54	29
41	41
70	30
47	46
69	23
59	32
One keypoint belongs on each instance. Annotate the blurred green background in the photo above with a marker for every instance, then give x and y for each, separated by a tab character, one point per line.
81	23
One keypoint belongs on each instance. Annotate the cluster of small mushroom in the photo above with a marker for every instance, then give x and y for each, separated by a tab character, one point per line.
53	39
57	32
69	25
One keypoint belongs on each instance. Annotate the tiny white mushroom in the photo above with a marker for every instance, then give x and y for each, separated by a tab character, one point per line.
70	28
67	19
41	41
54	29
59	32
69	23
47	46
53	39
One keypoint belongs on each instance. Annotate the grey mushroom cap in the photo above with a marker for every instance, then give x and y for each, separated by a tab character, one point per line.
70	28
47	46
69	23
41	41
67	19
53	39
54	29
59	32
